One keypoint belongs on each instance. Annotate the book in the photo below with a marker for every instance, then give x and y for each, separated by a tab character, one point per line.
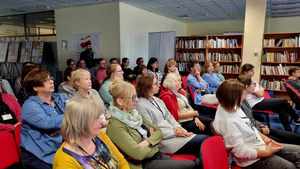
224	57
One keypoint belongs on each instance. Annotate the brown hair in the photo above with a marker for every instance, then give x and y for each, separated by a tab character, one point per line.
35	78
215	63
206	66
246	68
144	85
246	80
293	70
230	93
170	62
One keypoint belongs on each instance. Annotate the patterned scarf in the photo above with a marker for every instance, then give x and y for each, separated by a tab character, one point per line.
132	119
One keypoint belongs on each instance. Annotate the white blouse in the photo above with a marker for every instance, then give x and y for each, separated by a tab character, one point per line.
239	135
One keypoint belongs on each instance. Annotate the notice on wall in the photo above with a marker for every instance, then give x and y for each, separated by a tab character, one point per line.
83	40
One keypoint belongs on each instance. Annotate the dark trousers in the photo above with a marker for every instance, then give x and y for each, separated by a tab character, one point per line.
279	106
285	136
191	126
287	158
193	146
165	162
30	161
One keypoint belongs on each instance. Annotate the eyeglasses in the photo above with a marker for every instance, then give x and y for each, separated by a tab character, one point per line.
133	98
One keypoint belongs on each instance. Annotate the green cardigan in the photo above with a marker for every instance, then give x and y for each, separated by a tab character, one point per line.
127	139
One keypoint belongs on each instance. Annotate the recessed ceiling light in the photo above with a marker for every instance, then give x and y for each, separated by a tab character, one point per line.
185	16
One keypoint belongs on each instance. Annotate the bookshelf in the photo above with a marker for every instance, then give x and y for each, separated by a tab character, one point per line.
280	53
226	49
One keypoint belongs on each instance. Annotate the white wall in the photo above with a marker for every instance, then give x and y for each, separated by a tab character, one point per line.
283	24
214	27
135	24
103	18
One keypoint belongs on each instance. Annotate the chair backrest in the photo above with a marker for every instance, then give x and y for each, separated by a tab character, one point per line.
293	93
184	82
9	148
192	94
214	154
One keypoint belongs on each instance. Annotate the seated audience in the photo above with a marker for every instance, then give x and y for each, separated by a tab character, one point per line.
276	134
114	61
153	67
176	139
294	78
211	78
81	80
114	72
101	72
137	138
170	67
255	98
250	148
42	115
128	73
70	65
81	64
142	71
66	86
85	144
21	92
139	63
174	98
217	70
195	82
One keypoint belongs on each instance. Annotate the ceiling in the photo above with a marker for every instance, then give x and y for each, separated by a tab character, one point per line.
185	10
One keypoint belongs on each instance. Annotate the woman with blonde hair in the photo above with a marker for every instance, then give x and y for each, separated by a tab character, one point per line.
85	145
114	72
81	80
137	138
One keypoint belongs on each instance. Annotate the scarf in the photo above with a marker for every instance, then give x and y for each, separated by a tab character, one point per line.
132	119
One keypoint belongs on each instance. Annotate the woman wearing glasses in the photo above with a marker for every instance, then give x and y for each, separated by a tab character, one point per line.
114	72
42	115
85	145
137	139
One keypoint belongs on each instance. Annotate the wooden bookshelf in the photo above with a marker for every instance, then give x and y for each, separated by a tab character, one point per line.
281	51
226	49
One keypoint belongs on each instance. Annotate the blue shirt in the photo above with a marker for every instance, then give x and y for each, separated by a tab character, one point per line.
220	76
212	80
194	84
39	119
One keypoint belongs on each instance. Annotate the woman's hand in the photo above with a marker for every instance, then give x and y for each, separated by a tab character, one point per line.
199	124
143	144
180	132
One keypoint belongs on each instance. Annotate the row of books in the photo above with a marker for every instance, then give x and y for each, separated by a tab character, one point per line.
223	43
183	67
25	51
190	57
275	70
224	57
272	85
230	69
286	56
288	42
190	44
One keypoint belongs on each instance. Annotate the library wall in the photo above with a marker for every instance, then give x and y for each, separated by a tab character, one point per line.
283	24
7	30
103	18
214	27
135	24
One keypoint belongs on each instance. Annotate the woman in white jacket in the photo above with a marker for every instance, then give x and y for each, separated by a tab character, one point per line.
250	148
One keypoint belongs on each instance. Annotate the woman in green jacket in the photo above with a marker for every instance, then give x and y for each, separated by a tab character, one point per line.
136	138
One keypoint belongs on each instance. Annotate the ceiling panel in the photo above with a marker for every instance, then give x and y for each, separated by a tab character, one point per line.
185	10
